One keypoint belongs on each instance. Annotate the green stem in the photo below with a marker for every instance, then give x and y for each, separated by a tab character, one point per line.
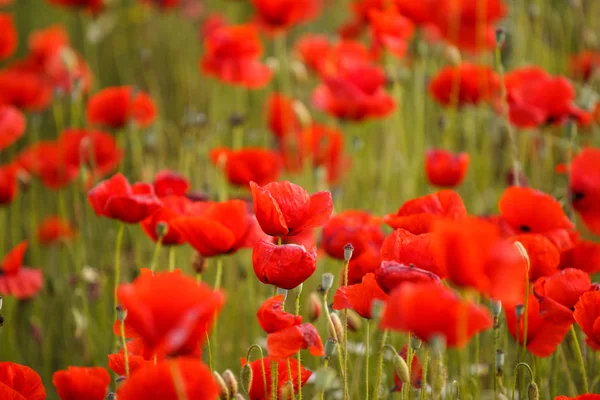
423	394
521	364
299	293
346	263
262	363
368	345
172	259
118	265
325	366
380	365
219	275
209	351
334	333
157	248
580	360
125	351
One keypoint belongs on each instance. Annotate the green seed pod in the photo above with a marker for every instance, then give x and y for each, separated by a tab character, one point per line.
401	368
533	393
327	281
330	345
348	250
222	386
162	229
121	313
231	382
496	307
111	396
415	342
246	377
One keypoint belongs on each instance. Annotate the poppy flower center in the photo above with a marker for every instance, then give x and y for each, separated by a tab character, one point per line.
525	228
576	196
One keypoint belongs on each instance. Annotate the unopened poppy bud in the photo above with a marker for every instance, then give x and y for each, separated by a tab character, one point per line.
330	346
496	307
415	342
298	70
519	309
500	37
302	113
246	377
452	54
236	119
354	321
348	250
523	253
533	393
272	64
111	396
499	360
377	309
338	327
313	307
401	368
327	281
222	386
284	292
0	303
162	229
199	263
121	313
231	382
120	379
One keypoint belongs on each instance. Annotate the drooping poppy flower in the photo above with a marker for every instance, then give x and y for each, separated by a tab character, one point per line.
276	16
115	198
359	297
285	266
8	36
46	160
89	5
391	30
464	84
77	383
25	90
416	250
587	316
545	330
257	386
253	164
9	186
390	275
232	55
416	372
170	312
17	280
430	309
115	107
444	168
588	396
474	255
563	289
584	64
170	380
272	317
543	255
418	215
585	255
527	210
584	187
216	229
20	382
359	228
170	183
286	209
12	125
287	342
172	208
53	229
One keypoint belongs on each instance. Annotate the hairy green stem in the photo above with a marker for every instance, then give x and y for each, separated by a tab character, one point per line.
379	370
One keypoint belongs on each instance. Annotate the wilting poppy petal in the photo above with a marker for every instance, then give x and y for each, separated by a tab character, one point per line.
79	382
287	342
20	382
359	297
285	266
390	275
272	317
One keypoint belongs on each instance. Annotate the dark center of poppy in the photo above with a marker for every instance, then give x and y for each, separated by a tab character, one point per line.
525	228
576	196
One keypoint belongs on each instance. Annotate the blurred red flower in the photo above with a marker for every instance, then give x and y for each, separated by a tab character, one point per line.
360	10
20	382
585	64
416	372
232	55
170	183
12	125
360	297
405	248
138	357
285	266
430	309
52	229
257	387
252	164
444	168
584	187
171	313
17	280
8	36
464	84
420	12
588	396
359	228
587	316
9	186
418	215
272	317
563	289
214	228
585	255
390	275
77	383
162	4
285	343
543	255
391	30
166	379
172	208
276	16
46	160
115	107
24	89
281	116
286	209
89	5
115	198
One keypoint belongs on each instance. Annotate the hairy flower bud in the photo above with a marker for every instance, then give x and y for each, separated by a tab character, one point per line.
338	332
533	393
496	307
415	342
199	263
401	368
222	386
231	382
246	377
313	307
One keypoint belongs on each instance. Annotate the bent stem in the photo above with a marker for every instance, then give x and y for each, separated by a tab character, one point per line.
521	364
262	363
118	265
125	351
155	255
380	364
580	360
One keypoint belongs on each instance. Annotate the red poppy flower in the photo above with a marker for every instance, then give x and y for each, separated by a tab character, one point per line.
276	16
115	107
416	372
115	198
562	289
361	264
418	215
417	250
446	169
172	208
8	36
162	4
587	316
527	210
359	297
46	160
272	317
354	91
545	330
584	187
218	228
391	30
312	49
89	5
286	209
584	256
390	275
544	256
430	309
257	387
360	17
285	343
53	229
12	126
420	12
79	382
246	165
281	116
170	312
24	89
285	266
170	183
464	84
44	43
20	382
584	64
166	379
232	55
17	280
580	397
359	228
9	186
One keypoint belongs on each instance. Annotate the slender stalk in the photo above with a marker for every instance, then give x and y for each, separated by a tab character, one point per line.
274	372
262	363
368	345
423	395
172	259
325	366
346	263
334	333
178	382
380	365
157	248
118	266
219	275
125	351
580	360
299	293
209	351
409	359
521	364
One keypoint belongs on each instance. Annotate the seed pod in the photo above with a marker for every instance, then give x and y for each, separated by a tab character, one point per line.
231	382
121	313
499	360
111	396
533	393
500	37
519	309
401	368
415	342
496	307
338	327
330	346
161	229
327	281
246	377
348	250
222	386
